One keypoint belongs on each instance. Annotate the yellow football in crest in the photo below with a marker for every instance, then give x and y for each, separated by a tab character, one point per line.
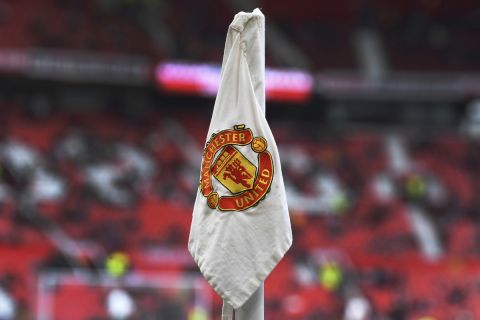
259	144
212	200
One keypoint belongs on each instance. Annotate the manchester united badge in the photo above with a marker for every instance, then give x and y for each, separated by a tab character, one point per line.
246	182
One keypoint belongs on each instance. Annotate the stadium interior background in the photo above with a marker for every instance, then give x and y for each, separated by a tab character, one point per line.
105	106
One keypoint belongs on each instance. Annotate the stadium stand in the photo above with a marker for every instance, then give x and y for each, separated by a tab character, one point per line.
141	193
95	199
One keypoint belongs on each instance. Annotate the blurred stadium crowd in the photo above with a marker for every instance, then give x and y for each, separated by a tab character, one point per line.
386	221
383	224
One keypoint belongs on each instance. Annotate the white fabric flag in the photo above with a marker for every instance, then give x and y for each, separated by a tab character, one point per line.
240	226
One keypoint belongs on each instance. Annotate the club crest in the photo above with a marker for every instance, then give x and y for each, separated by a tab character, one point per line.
246	183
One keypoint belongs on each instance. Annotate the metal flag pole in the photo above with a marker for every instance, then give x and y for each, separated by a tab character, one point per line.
231	262
253	309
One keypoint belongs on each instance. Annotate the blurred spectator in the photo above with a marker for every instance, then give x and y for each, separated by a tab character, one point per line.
7	306
20	161
357	308
120	305
110	183
330	276
471	123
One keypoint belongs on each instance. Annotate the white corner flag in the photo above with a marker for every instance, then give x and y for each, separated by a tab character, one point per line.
240	226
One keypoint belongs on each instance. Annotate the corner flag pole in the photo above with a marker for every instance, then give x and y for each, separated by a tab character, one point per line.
253	309
237	250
